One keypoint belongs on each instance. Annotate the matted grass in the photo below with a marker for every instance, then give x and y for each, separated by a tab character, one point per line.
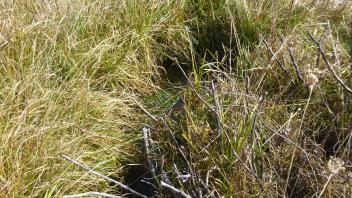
71	71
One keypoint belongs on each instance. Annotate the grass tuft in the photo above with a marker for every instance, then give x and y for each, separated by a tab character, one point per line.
243	102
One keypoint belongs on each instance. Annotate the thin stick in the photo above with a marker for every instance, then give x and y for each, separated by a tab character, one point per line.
144	110
4	44
205	102
147	150
247	85
254	123
295	65
179	149
180	192
328	64
320	39
326	185
249	170
194	89
274	56
177	145
254	133
297	139
103	176
217	109
288	16
91	194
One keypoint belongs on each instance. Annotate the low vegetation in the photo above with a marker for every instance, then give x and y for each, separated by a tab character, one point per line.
224	98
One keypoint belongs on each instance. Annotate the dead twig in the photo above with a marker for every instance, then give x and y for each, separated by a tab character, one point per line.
144	110
103	176
172	188
255	136
177	145
91	194
147	150
249	170
320	39
254	123
176	106
297	139
205	102
282	66
247	91
325	185
4	44
217	109
194	89
180	150
323	55
295	65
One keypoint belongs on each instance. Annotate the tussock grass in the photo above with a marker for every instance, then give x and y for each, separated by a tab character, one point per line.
72	70
69	71
278	133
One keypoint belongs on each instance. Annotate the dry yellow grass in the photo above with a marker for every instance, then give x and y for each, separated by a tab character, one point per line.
71	71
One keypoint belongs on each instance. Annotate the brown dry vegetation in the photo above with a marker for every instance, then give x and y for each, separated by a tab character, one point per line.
265	113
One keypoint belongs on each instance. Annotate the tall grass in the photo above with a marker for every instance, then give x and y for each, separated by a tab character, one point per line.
279	129
71	72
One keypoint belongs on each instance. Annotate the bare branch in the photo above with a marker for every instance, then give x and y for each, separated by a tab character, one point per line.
179	149
282	66
177	145
328	64
217	109
172	188
194	89
249	170
326	185
103	176
144	110
147	150
176	106
4	44
295	65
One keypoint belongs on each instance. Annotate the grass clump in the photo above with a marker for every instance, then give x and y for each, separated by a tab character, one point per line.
281	113
242	101
69	72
